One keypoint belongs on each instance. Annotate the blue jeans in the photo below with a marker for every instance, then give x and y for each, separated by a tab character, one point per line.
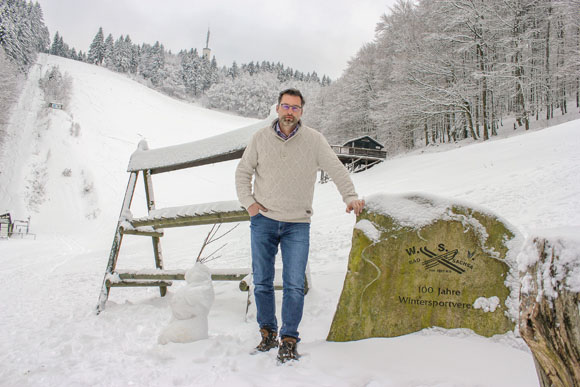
294	241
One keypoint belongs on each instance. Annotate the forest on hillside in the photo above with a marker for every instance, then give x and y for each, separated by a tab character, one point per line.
437	70
445	70
22	35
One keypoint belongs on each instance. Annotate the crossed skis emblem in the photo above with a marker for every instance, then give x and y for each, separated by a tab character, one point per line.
443	259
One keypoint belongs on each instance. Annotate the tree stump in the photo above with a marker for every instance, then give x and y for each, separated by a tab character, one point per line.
549	300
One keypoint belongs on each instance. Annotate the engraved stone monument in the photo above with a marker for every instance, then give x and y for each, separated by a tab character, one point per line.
420	261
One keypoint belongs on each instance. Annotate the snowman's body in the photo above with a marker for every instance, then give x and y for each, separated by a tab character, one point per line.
190	307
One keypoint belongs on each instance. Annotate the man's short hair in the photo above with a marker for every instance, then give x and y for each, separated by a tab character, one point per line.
294	92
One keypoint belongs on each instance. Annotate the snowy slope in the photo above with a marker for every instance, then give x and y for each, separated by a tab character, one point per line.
112	114
49	334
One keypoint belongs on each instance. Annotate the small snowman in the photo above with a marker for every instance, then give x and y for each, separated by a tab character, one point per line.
190	307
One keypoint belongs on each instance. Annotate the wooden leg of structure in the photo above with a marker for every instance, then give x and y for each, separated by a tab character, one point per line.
117	239
159	261
156	242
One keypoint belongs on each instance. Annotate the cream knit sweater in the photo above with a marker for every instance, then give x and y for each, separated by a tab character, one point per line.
285	173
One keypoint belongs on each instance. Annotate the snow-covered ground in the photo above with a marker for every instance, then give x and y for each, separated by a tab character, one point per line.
51	336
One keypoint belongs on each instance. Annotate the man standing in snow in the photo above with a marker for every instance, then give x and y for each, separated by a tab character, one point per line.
284	159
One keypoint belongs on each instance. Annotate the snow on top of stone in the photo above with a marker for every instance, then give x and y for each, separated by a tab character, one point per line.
409	210
369	229
225	143
418	210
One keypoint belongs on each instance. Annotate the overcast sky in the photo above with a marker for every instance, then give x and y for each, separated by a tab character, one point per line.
307	35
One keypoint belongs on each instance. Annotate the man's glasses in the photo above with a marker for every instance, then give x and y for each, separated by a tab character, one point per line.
294	108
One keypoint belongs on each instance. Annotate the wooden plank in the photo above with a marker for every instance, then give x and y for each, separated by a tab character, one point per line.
143	232
227	277
220	217
137	283
160	275
179	275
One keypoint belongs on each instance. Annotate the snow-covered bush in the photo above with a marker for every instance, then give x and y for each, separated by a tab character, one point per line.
246	95
56	86
253	95
75	129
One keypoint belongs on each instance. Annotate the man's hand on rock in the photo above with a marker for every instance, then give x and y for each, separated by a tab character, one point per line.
357	205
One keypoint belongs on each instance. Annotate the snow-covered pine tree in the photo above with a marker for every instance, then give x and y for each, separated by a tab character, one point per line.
22	32
108	59
151	62
122	54
56	46
191	72
133	54
38	28
96	52
234	71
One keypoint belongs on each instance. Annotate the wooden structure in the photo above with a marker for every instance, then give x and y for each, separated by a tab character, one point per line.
10	228
145	162
357	155
364	142
5	225
360	153
55	105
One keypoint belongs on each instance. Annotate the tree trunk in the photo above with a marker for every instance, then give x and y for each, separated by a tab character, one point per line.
477	119
549	110
578	69
448	126
520	99
561	65
550	324
469	119
578	92
483	93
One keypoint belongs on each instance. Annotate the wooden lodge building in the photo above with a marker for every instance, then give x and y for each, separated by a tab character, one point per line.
359	154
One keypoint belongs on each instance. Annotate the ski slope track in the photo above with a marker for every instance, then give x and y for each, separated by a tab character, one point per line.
72	187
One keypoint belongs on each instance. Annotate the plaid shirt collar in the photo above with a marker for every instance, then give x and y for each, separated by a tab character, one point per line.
281	134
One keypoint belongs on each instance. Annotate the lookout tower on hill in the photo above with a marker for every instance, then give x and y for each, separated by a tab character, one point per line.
206	50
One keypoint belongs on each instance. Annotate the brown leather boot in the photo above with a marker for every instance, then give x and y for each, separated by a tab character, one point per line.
287	350
269	340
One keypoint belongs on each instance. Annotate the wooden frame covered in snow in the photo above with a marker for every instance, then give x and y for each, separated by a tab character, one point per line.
228	146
